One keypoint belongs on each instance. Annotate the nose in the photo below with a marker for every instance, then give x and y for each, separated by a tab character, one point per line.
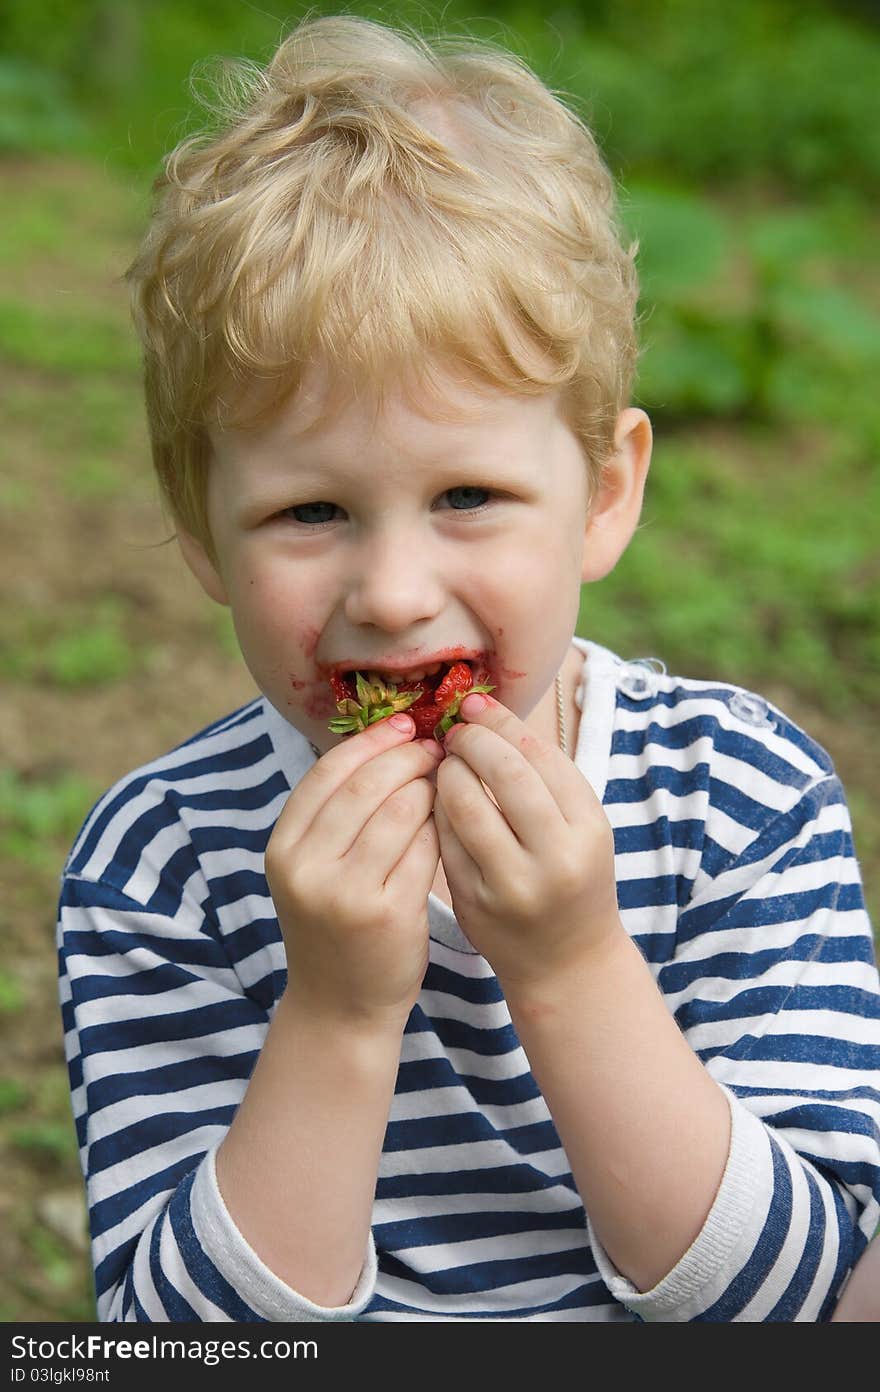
395	581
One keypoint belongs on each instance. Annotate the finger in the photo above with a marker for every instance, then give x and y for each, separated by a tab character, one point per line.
525	802
413	875
479	827
556	770
386	836
329	772
460	867
338	824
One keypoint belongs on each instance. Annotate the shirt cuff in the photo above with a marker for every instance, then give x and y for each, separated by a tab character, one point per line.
248	1275
725	1242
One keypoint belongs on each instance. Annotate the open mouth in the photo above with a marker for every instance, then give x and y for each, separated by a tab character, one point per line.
431	694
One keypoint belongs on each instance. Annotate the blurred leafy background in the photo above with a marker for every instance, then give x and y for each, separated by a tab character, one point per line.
746	142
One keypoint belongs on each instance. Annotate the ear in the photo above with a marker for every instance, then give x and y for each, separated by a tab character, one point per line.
617	506
202	566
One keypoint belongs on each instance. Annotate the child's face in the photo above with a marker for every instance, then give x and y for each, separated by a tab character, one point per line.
393	540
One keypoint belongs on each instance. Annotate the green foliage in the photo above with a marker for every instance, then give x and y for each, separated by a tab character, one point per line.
91	649
746	313
36	111
778	89
749	576
45	1142
98	654
725	93
76	340
11	994
13	1095
38	818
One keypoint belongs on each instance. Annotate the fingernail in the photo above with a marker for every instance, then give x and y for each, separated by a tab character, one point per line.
402	721
434	749
472	705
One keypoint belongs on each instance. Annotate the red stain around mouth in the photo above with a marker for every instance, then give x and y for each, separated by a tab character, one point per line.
438	691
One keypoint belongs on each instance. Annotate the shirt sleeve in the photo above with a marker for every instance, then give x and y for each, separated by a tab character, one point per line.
774	984
161	1039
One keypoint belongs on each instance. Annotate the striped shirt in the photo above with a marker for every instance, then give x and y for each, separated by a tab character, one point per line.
738	882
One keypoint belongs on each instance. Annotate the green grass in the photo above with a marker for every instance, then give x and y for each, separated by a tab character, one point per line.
38	819
13	1095
12	995
763	569
72	339
47	1143
86	646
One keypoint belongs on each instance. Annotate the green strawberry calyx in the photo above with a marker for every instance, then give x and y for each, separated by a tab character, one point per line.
375	701
451	716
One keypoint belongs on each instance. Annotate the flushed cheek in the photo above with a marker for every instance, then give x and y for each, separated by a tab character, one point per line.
532	617
277	640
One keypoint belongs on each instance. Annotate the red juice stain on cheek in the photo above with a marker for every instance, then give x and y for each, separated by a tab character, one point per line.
312	693
508	673
313	697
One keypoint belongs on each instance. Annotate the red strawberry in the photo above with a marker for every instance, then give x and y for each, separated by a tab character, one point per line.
433	711
339	687
426	718
458	680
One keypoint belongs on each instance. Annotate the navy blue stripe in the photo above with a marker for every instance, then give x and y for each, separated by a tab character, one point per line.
173	1303
232	759
106	1213
694	732
762	1260
586	1296
790	1304
800	1048
223	1015
170	1078
747	966
491	1275
191	951
647	893
153	1130
637	837
753	1001
501	1179
202	1272
476	990
151	981
456	1034
734	912
447	1228
467	1128
421	1074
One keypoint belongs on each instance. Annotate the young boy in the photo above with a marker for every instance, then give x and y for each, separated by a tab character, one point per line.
573	1016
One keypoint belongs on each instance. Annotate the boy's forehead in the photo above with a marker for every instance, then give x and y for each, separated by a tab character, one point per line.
437	399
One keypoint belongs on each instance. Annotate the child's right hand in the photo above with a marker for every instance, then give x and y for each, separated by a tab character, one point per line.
350	864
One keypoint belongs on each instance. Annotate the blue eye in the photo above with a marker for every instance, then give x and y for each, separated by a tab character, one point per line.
474	498
311	520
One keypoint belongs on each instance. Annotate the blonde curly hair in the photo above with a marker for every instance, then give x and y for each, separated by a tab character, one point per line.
373	200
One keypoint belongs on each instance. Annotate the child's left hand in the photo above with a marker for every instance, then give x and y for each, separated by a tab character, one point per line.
532	879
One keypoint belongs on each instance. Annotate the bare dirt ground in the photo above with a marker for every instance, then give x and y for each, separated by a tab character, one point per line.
66	550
